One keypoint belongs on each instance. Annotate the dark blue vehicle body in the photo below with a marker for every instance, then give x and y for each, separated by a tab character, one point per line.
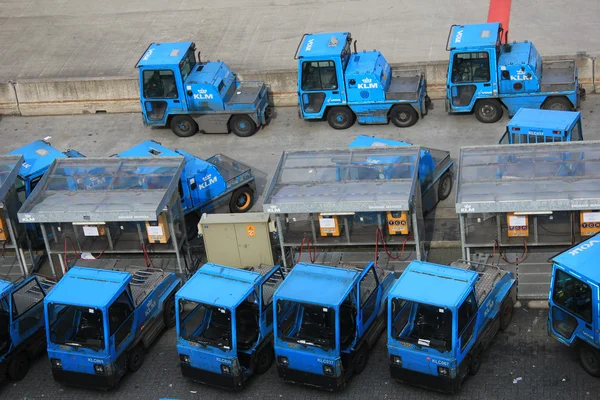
327	320
435	169
341	86
485	75
22	334
205	185
542	126
100	322
179	91
574	317
225	324
441	318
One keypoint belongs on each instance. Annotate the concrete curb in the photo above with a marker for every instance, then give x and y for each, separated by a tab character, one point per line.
121	94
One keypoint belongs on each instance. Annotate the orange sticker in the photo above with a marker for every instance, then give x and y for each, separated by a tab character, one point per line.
250	230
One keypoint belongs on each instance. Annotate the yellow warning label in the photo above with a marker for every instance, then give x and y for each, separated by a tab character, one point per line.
250	230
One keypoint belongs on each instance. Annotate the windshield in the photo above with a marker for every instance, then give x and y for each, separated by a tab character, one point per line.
204	324
76	326
306	324
573	295
422	324
186	65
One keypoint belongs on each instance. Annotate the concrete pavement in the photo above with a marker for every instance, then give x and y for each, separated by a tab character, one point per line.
73	38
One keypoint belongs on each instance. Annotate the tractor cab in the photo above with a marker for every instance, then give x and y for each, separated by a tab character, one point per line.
543	126
225	324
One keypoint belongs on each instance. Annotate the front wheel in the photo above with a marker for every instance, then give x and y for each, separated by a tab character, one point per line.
264	359
241	200
184	126
18	367
360	359
340	118
590	359
403	116
506	313
242	125
169	312
488	111
136	358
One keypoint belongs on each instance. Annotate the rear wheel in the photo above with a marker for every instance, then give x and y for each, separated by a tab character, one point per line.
136	358
241	200
242	125
264	359
340	118
557	104
184	126
506	313
360	359
403	115
18	367
488	111
590	359
445	186
169	312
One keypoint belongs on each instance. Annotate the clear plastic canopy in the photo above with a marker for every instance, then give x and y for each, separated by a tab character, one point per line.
529	178
344	180
9	170
103	189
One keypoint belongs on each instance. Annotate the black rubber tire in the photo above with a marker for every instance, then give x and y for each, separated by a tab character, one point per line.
169	313
18	367
506	313
445	186
361	358
403	115
557	104
135	359
242	125
183	126
340	118
589	358
488	111
264	360
242	200
475	363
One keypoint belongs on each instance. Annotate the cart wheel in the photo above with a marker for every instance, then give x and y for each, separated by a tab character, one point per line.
264	359
557	104
506	313
136	358
340	118
475	363
18	367
184	126
488	110
242	125
169	312
445	186
403	115
241	200
590	359
360	359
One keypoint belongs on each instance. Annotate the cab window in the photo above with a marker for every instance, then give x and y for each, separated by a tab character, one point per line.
576	133
159	84
573	295
21	193
466	320
319	75
471	67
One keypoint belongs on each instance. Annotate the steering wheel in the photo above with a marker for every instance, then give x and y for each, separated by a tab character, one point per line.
155	89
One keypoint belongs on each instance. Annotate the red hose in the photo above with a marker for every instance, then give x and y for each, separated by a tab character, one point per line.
518	260
311	255
76	253
147	257
378	234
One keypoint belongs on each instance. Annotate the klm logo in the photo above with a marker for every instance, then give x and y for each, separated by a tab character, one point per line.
208	180
368	84
202	95
309	45
583	247
458	37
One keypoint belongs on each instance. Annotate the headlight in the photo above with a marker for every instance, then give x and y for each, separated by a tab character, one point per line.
225	369
283	361
443	371
99	369
184	358
396	360
56	363
328	370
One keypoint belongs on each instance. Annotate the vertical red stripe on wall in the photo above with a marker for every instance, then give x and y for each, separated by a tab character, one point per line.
499	11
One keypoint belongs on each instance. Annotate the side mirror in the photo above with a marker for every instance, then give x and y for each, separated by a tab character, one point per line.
193	186
189	93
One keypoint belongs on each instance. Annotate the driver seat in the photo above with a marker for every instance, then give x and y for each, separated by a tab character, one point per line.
4	331
247	328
